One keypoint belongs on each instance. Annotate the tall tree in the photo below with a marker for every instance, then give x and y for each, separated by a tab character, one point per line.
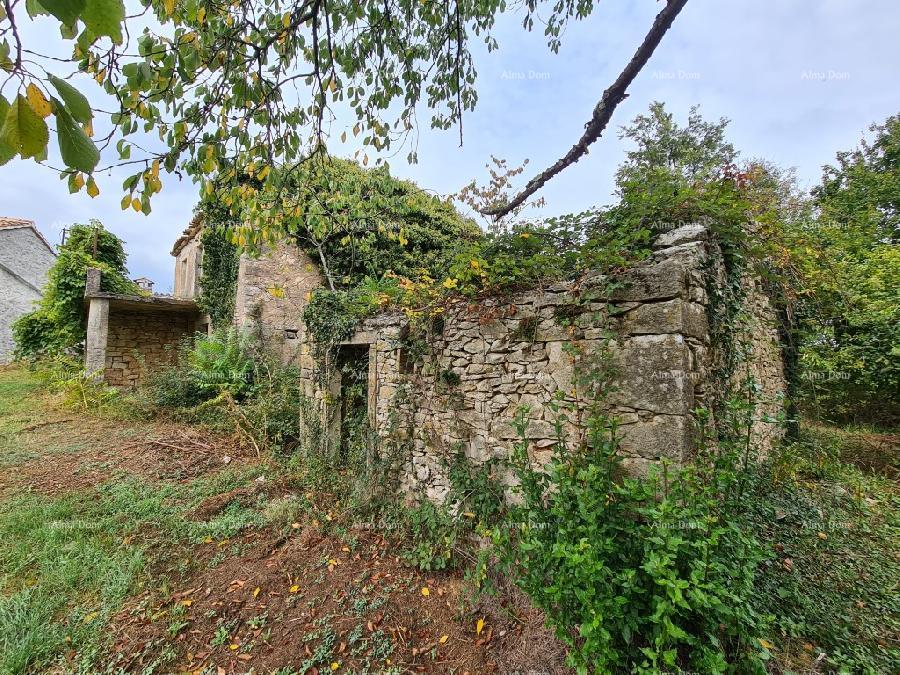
850	361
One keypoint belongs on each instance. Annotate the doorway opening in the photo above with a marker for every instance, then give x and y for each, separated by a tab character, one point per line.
353	369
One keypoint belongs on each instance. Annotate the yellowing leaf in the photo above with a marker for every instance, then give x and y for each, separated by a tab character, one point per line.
295	588
286	20
232	647
479	626
766	644
335	665
92	188
425	591
89	617
136	204
169	6
37	100
444	639
256	592
187	603
450	283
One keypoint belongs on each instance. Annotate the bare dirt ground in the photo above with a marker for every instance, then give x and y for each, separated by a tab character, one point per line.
313	596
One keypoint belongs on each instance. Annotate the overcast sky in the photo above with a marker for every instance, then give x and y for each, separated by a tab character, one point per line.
799	80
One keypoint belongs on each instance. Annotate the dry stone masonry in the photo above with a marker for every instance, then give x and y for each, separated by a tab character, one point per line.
485	360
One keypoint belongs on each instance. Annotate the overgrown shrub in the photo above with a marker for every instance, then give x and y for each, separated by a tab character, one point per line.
82	390
639	575
833	532
228	382
60	323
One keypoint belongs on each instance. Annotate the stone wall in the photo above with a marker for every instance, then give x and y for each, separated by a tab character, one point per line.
272	291
484	360
140	341
24	262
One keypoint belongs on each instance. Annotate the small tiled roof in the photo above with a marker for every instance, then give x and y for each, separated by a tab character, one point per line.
189	233
7	223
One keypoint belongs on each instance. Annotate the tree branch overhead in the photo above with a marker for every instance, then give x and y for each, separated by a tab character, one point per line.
603	111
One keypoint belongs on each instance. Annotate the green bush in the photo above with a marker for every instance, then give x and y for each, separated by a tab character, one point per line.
60	323
834	533
229	383
223	362
637	575
431	537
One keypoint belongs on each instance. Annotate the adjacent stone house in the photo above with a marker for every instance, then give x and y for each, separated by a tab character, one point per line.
25	259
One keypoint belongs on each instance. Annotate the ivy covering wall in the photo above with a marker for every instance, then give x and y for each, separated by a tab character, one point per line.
221	259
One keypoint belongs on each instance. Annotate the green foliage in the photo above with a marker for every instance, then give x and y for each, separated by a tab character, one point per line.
850	319
475	491
83	391
59	322
360	223
222	362
227	382
834	533
218	280
331	316
563	247
637	574
432	537
380	60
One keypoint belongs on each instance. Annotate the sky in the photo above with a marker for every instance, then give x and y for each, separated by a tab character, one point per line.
799	80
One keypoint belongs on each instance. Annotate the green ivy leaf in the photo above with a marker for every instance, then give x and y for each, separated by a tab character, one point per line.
24	130
78	151
66	11
104	17
75	101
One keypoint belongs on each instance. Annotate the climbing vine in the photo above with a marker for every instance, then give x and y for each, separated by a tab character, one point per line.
60	323
218	280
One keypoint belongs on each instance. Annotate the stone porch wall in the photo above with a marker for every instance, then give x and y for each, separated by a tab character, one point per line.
140	342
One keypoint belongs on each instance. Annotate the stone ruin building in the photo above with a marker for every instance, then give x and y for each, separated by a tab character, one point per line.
484	360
